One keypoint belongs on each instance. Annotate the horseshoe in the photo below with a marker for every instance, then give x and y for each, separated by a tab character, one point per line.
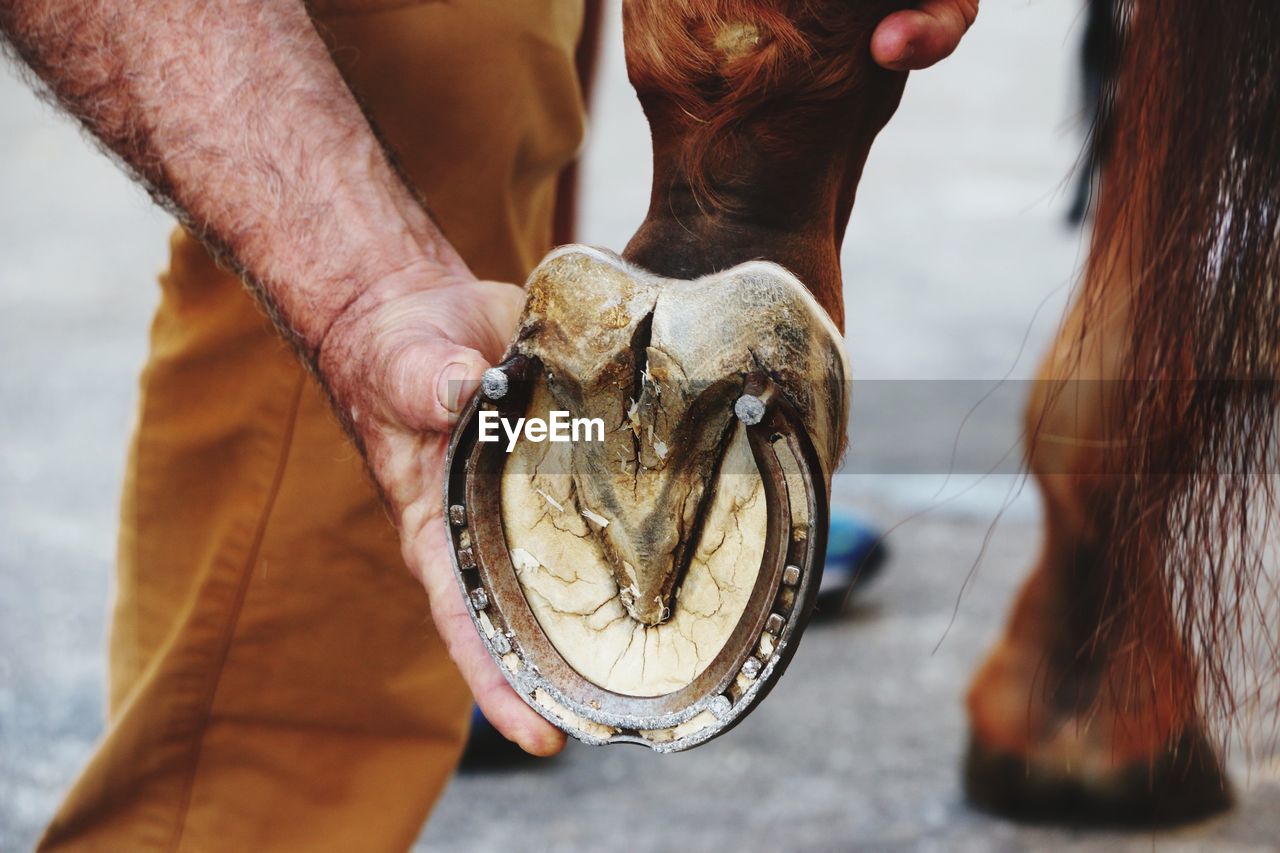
486	498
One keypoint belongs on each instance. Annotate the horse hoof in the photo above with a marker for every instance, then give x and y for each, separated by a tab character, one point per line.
1184	785
641	553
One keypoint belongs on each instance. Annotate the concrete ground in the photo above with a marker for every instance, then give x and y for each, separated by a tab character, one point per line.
958	266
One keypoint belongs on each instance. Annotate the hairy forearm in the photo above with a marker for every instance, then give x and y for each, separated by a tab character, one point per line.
235	117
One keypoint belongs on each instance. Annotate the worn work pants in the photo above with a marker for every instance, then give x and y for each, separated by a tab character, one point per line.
276	683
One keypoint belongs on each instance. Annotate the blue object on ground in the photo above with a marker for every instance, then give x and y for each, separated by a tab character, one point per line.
855	554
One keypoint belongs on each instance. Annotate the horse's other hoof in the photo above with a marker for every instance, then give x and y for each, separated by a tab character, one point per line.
647	579
1182	785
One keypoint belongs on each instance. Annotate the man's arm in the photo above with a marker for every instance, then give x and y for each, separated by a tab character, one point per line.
234	116
236	119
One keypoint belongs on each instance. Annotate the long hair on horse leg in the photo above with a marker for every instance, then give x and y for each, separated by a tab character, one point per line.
1190	209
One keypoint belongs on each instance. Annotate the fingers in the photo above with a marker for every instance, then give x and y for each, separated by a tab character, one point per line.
501	706
917	38
503	309
429	379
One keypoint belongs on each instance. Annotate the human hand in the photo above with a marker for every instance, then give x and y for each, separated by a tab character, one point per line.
917	38
401	363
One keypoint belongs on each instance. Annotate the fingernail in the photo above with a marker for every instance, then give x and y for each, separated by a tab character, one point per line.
539	745
904	56
449	386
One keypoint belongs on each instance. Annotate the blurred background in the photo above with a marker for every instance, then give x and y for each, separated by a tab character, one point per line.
958	266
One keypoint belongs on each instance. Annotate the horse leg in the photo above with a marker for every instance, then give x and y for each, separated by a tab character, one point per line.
1065	722
646	583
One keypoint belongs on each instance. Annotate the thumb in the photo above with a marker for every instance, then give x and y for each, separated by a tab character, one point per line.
429	384
919	37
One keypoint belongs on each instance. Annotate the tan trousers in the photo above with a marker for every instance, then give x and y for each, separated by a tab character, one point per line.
275	682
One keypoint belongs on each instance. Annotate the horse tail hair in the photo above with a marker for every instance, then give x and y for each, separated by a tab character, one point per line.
1189	208
1099	53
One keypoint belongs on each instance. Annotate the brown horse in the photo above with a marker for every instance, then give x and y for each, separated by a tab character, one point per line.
1120	646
